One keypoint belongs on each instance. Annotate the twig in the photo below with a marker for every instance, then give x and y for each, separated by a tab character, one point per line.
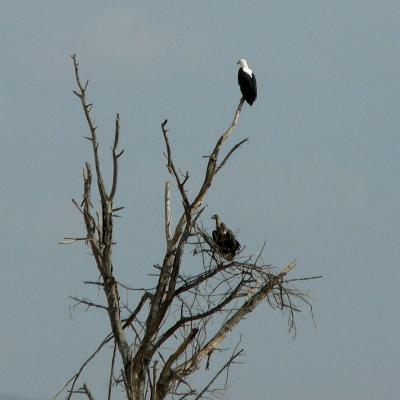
165	375
168	215
303	279
87	392
235	147
129	320
111	372
222	369
76	376
88	303
171	166
116	156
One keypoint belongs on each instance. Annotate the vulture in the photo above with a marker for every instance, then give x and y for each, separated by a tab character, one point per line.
247	82
225	240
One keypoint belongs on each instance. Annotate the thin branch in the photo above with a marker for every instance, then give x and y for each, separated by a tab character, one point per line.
222	369
93	283
87	392
88	303
168	215
110	381
210	171
153	386
69	240
165	376
115	159
303	279
171	166
76	376
203	277
234	148
92	126
131	318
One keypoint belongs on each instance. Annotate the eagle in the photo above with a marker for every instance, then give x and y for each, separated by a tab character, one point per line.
247	82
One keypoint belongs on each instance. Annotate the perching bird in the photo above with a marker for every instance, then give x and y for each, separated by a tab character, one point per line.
247	82
225	240
218	234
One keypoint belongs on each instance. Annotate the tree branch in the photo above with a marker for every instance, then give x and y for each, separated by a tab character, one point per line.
210	172
110	381
88	303
92	126
231	151
165	376
116	156
222	369
87	392
211	311
171	166
102	247
248	306
168	215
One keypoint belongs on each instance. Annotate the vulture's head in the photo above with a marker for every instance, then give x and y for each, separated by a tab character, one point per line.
217	219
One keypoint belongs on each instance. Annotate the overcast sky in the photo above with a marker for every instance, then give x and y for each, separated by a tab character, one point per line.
318	179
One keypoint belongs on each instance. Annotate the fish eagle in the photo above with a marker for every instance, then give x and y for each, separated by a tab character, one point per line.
225	240
247	82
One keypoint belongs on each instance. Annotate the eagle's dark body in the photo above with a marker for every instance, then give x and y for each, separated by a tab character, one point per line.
247	82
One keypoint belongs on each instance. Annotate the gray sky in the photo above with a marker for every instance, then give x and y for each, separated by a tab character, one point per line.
318	180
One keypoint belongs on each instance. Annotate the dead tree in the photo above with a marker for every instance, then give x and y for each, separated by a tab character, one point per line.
177	325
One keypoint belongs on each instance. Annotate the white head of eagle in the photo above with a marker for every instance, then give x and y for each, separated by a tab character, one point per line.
247	81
